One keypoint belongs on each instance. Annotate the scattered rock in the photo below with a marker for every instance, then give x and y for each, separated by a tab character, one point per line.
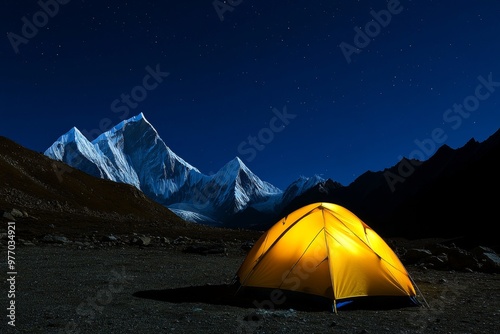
254	316
141	240
8	216
247	245
459	259
16	213
443	257
488	259
109	238
415	255
55	239
164	240
437	261
206	249
181	240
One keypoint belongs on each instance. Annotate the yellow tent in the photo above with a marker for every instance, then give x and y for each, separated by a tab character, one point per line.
325	250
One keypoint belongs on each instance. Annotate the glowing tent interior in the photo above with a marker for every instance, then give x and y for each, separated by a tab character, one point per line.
323	249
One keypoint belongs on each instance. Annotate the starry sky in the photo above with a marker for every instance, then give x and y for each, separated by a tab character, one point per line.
294	88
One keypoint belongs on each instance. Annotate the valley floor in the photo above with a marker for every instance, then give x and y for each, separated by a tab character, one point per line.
67	289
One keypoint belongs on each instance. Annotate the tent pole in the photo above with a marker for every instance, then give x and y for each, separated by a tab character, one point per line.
419	292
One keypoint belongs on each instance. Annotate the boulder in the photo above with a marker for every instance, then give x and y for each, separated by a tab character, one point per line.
141	240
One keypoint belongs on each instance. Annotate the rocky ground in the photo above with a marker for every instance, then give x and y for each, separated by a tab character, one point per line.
183	285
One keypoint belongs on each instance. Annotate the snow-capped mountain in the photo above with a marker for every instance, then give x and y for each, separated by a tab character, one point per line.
132	152
219	196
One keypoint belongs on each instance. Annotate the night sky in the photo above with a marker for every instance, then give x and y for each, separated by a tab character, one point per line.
294	88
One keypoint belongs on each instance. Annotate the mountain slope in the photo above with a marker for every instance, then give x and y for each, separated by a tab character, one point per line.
59	199
461	200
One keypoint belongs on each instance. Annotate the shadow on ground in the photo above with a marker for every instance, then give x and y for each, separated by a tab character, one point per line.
230	295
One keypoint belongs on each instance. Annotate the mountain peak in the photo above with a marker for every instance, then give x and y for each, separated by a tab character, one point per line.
139	116
234	167
74	130
69	142
137	119
72	135
237	163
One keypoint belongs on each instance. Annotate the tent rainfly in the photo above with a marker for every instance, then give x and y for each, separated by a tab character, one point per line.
324	250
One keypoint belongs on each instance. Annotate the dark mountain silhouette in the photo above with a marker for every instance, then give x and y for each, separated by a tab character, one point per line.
450	195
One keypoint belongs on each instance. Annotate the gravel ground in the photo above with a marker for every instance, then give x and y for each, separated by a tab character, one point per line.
63	289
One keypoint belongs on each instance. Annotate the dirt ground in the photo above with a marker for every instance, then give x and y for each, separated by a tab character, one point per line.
121	289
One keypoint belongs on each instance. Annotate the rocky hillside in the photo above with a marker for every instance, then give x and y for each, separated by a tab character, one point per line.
48	197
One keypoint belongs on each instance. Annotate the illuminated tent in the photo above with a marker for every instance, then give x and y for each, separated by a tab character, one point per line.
323	249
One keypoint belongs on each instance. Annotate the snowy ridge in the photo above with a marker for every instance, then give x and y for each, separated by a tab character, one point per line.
74	149
194	217
132	152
